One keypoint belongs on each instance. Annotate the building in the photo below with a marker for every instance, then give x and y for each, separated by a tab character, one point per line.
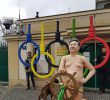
102	4
15	68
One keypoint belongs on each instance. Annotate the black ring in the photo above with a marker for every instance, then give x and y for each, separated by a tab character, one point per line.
47	49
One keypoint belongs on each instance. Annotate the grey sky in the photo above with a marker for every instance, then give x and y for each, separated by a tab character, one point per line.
28	8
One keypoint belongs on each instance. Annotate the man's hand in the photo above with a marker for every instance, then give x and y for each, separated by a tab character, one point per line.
62	71
81	81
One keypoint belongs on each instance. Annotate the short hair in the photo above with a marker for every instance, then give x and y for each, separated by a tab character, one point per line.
75	39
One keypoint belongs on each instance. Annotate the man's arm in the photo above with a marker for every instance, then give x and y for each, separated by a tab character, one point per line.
90	67
62	64
26	68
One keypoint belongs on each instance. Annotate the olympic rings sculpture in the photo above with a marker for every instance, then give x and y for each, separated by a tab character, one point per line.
25	42
93	37
42	51
56	40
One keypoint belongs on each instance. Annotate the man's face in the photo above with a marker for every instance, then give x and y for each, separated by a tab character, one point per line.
74	47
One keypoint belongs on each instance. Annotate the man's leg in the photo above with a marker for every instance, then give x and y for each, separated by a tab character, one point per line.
27	79
102	82
79	96
32	79
108	78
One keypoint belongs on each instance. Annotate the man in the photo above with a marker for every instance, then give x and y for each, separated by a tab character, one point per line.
103	73
29	73
74	62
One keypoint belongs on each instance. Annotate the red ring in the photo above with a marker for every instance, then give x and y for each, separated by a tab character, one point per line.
105	45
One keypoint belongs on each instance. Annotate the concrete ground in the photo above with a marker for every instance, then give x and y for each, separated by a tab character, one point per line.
19	93
96	96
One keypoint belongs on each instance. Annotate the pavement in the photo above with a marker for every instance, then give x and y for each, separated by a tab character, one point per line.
19	93
96	96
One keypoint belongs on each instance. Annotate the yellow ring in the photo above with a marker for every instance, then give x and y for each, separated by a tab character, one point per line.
52	69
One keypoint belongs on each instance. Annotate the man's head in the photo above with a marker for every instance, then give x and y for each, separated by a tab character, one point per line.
74	45
75	39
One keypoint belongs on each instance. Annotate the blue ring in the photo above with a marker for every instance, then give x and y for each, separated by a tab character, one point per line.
19	53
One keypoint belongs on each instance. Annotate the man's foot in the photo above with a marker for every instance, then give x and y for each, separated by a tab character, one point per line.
27	88
34	88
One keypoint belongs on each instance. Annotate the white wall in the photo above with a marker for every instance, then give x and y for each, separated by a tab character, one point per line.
22	73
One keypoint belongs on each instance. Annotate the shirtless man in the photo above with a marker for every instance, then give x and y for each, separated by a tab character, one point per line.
75	63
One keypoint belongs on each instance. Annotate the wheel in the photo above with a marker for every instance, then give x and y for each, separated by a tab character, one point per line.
65	79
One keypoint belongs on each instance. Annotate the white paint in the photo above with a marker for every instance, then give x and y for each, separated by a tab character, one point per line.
22	73
87	55
42	65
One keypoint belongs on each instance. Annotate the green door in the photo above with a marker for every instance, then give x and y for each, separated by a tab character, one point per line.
3	62
94	51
